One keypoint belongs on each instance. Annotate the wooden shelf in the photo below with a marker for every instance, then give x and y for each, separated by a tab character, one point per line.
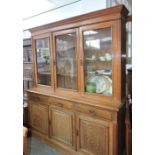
103	74
71	75
45	73
66	50
91	60
97	60
96	74
67	59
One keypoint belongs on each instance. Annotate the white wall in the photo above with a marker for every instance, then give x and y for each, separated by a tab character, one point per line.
81	7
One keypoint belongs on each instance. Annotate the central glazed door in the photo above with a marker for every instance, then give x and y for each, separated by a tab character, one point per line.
66	60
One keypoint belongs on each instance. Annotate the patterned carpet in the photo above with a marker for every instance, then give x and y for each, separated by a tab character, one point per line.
36	147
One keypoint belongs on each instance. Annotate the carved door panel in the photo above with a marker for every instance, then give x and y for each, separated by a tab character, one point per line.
62	126
94	136
39	117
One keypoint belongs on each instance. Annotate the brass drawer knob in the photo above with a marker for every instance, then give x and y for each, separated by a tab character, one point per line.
92	112
59	104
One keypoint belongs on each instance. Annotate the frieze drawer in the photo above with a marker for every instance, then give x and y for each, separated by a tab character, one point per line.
38	98
62	104
94	112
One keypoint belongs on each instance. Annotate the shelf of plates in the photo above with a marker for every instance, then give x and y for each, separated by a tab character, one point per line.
98	61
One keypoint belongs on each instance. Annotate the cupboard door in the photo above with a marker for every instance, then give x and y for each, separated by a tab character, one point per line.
94	136
43	58
39	117
62	126
97	54
66	59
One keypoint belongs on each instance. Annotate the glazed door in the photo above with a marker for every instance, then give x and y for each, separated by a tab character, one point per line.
94	136
39	117
66	55
62	127
97	56
43	57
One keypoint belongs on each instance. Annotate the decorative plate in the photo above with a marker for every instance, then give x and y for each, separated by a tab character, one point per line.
103	84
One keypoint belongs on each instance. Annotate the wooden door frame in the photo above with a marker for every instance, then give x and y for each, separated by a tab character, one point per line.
63	32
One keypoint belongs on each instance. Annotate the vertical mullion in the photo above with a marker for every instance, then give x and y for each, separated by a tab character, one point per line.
53	61
77	59
81	60
34	56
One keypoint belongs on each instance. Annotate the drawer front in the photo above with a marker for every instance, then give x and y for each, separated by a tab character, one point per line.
38	98
62	103
94	112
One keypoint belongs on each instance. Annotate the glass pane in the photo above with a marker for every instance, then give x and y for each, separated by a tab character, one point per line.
98	61
66	61
43	61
